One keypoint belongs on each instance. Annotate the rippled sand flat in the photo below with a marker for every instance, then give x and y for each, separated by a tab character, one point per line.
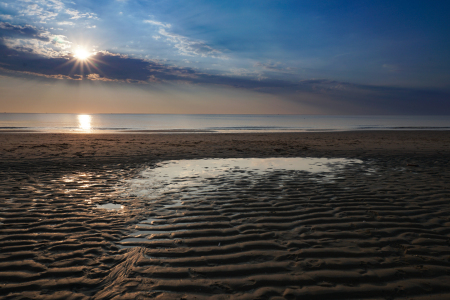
75	227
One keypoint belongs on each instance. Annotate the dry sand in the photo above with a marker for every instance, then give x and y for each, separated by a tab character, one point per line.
285	235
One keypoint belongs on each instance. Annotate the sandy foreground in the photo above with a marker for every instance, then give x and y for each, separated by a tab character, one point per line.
381	230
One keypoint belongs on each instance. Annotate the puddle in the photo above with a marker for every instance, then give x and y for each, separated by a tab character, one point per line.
202	175
110	206
140	240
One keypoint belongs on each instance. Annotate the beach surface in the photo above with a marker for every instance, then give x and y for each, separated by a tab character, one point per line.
71	229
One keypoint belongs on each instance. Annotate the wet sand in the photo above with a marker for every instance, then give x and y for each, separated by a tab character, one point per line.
381	230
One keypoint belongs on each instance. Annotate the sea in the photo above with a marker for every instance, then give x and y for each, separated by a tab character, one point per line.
132	123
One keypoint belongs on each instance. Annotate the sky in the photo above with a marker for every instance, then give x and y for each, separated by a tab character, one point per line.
231	57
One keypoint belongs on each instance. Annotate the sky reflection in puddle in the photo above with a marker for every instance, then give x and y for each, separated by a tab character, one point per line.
110	206
205	174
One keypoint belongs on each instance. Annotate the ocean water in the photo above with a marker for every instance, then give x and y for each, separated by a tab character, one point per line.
97	123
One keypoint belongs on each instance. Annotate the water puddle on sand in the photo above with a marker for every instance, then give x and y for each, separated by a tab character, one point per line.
173	182
171	177
110	206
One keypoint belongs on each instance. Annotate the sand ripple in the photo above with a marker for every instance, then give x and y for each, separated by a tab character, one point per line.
281	235
368	235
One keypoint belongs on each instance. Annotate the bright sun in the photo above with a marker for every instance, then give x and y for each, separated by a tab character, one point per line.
81	54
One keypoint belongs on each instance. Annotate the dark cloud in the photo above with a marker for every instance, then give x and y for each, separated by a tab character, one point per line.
25	31
108	66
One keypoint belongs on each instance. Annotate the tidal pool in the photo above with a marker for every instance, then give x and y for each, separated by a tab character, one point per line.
205	174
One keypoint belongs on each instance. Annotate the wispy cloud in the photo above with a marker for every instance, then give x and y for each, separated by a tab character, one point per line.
274	67
34	74
75	14
190	47
157	23
242	72
48	10
185	45
36	10
5	17
54	4
66	23
44	10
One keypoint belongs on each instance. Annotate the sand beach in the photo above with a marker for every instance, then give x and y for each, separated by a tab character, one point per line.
72	227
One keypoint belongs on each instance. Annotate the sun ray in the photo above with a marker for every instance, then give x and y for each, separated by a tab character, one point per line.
83	62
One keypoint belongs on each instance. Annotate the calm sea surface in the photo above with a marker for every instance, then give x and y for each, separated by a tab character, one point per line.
219	123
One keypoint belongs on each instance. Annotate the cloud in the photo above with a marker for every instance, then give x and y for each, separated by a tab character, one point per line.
43	9
52	58
26	31
60	41
47	10
58	76
274	67
185	45
53	4
246	73
190	47
66	23
75	14
29	39
38	47
42	58
157	23
6	17
98	77
36	10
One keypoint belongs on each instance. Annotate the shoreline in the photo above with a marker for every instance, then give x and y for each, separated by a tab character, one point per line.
133	147
217	131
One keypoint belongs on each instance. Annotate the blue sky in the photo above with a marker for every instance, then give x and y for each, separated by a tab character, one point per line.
321	57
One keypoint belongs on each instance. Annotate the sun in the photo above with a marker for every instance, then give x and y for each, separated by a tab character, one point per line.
81	53
84	61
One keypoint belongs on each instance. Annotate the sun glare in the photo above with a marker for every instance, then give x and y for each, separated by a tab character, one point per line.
84	122
81	54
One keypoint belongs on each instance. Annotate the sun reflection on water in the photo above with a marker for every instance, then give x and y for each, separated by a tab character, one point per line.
84	122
